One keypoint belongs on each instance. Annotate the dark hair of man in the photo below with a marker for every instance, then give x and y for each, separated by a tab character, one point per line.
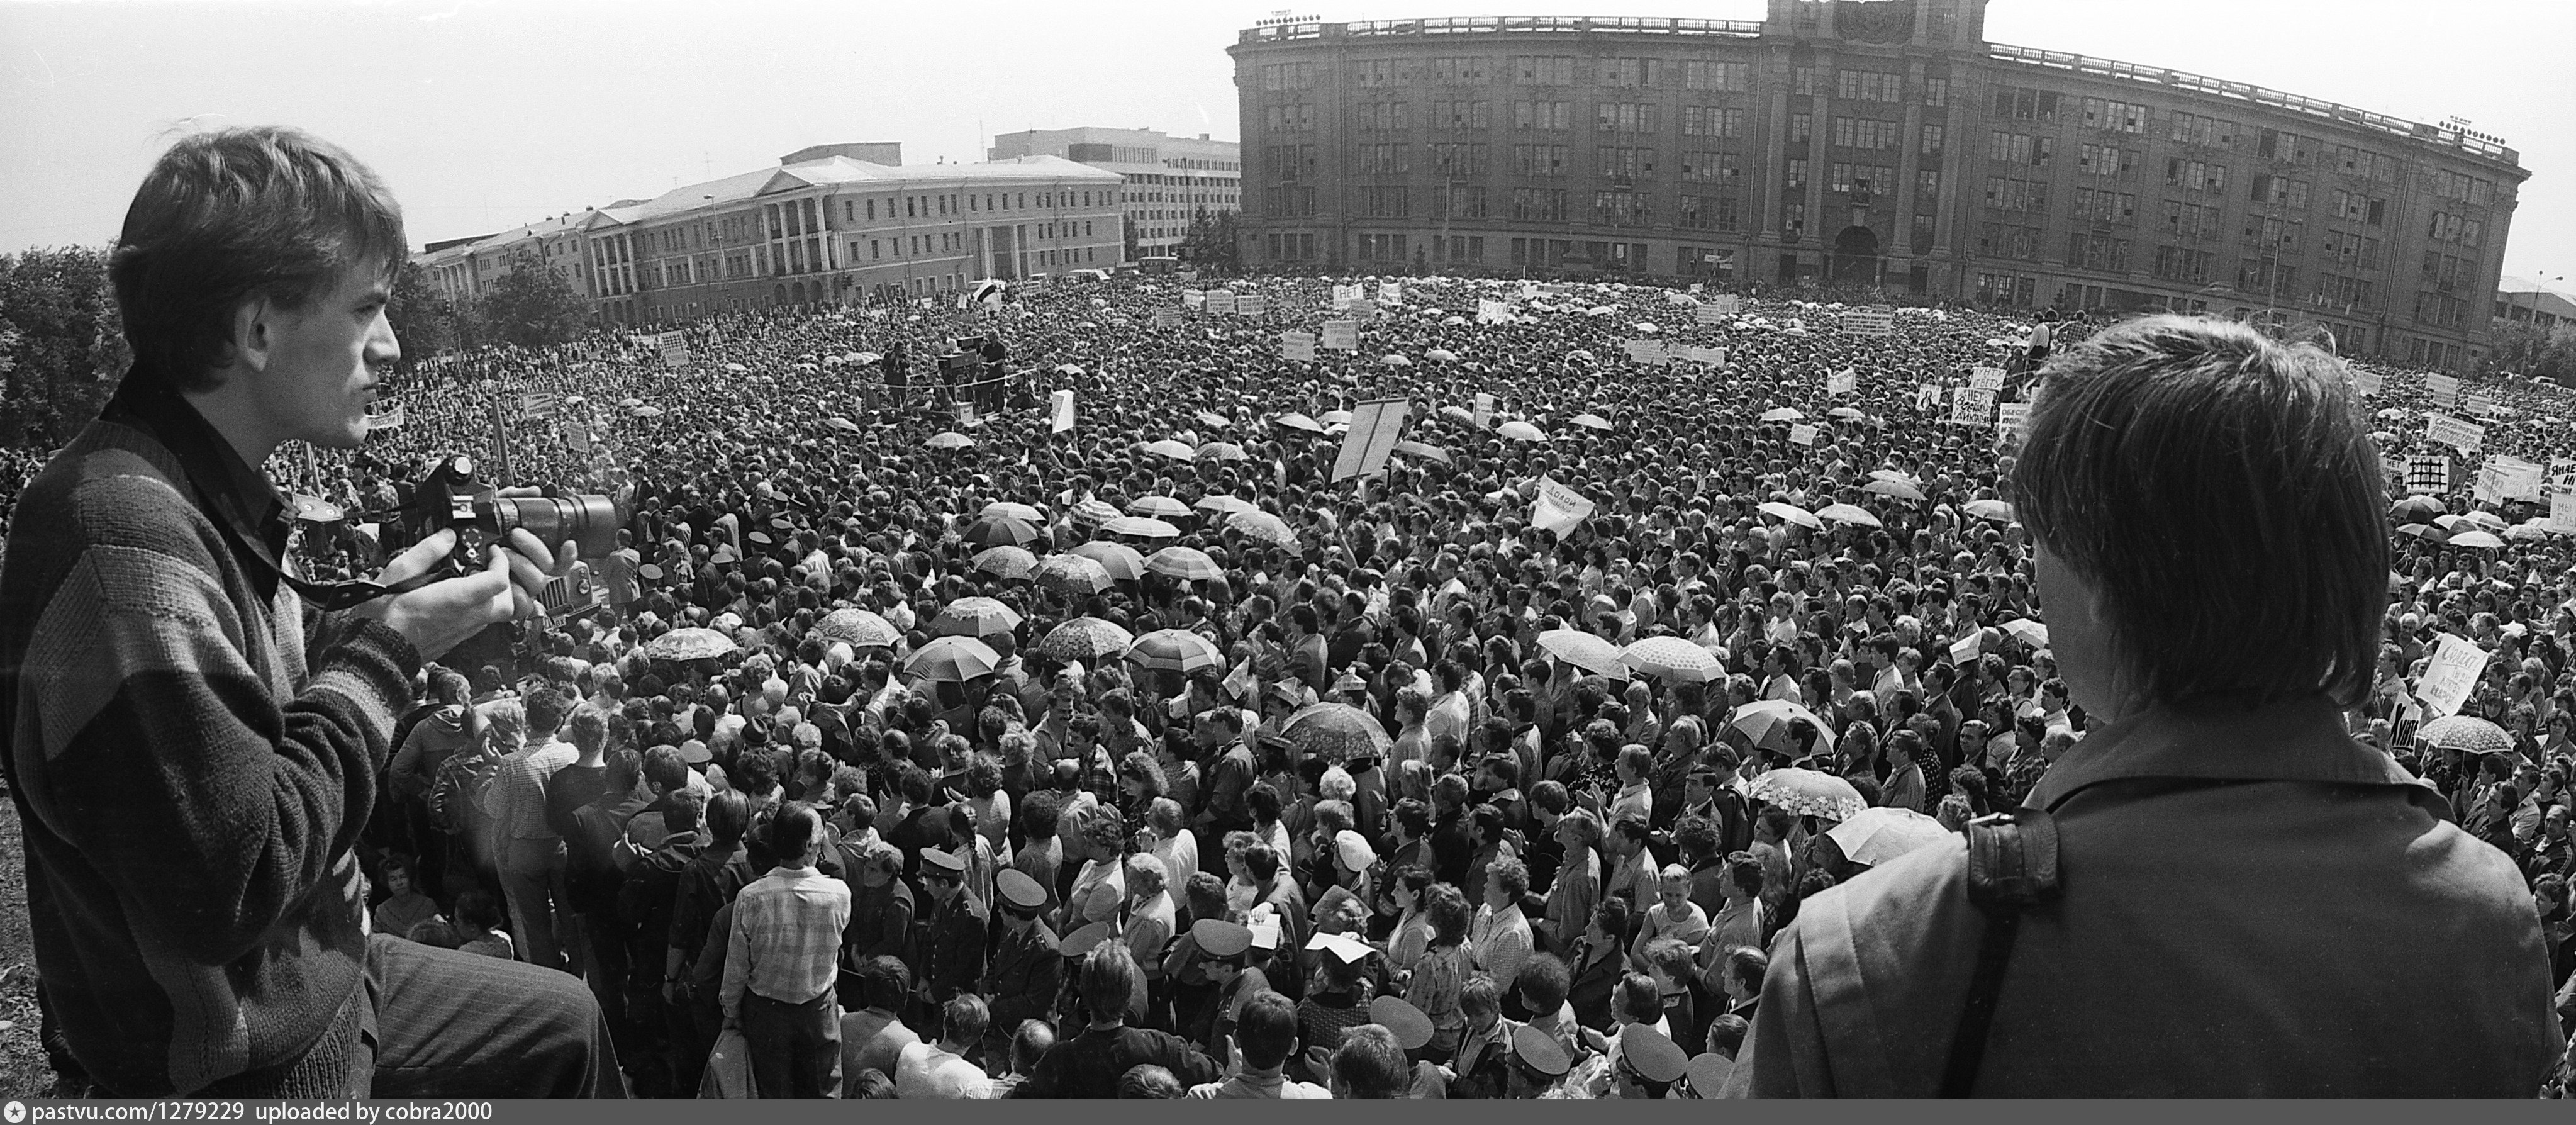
1369	1064
1746	966
885	981
1108	980
230	214
1266	1030
2213	484
728	816
1544	982
792	830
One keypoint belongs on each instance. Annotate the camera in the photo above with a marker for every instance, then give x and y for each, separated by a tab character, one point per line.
451	496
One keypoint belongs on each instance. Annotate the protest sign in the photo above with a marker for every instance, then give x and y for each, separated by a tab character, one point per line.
1647	351
674	348
1251	304
1726	304
1343	295
1697	354
1707	314
1972	406
537	404
2446	390
1390	293
576	434
1869	322
1193	299
1342	335
1484	410
2463	436
2562	513
2478	405
389	420
1167	318
1220	302
1490	311
1843	382
2367	382
2430	473
1375	426
1060	413
1986	378
1802	434
2452	675
1297	345
2518	479
1363	308
1927	397
2012	417
1559	508
1965	648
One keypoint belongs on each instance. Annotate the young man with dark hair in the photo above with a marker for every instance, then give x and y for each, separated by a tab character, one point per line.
2212	546
196	748
1265	1036
1089	1064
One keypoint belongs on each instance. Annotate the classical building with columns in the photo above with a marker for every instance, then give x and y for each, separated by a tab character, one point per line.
1877	142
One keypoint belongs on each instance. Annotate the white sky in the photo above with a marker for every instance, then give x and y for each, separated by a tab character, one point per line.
487	113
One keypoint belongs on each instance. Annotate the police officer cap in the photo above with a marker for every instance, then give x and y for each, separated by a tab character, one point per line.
1080	943
1652	1054
1217	937
1411	1028
1708	1074
1018	890
947	861
1540	1052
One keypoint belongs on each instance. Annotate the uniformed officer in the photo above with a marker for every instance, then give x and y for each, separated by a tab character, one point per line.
1538	1065
1027	968
1706	1076
1649	1064
1224	952
1412	1031
951	942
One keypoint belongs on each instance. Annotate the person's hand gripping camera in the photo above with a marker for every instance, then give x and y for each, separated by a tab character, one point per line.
440	615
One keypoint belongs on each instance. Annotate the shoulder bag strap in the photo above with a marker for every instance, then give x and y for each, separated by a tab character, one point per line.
2012	866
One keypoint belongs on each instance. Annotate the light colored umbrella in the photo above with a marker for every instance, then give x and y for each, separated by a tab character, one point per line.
2530	530
1159	507
689	644
1087	639
1093	513
1178	451
2467	734
1298	422
1518	430
1264	527
2486	519
1394	360
1806	792
842	424
1336	732
736	368
858	627
647	412
2027	631
1443	355
1896	488
1672	658
1122	562
1068	369
1224	505
1994	510
1426	452
998	531
1222	451
1784	414
953	659
1071	575
1214	419
1175	650
1014	510
1142	527
1458	412
1588	651
1848	513
950	440
1767	723
1187	563
1006	562
1876	835
1452	321
1846	413
2482	540
975	617
1790	513
1334	418
1891	474
630	402
1592	421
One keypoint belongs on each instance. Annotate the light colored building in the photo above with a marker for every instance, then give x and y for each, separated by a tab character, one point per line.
463	269
2524	300
1169	179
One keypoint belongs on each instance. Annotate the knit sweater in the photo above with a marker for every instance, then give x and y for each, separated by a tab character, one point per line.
190	778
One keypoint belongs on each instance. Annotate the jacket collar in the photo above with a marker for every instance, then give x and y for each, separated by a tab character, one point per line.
2297	740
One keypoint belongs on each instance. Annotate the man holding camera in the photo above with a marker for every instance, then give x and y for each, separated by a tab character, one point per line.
192	753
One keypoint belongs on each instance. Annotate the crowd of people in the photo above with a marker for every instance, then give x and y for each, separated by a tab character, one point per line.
911	752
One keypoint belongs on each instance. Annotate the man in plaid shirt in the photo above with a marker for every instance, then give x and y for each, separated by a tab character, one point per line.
780	962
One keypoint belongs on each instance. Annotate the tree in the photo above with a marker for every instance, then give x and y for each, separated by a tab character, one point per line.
2527	349
533	305
1210	243
424	319
1127	233
62	344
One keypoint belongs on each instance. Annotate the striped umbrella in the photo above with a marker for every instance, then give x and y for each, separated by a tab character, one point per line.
1120	560
975	617
1175	650
995	531
1159	507
1188	563
1142	527
1093	513
953	660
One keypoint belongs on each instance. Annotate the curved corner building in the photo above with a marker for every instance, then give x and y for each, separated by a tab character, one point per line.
1872	141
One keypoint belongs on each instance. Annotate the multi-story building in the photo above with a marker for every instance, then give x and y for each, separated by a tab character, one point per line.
2523	300
462	269
832	224
1169	179
1879	142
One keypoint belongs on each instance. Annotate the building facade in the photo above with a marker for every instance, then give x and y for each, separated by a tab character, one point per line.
1878	142
2524	300
1169	179
462	269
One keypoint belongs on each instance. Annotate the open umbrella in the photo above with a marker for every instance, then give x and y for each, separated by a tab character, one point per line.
2414	509
647	412
1159	507
1298	422
1086	639
1187	563
1994	510
1767	722
1518	430
1807	792
1336	732
1222	451
1588	651
1175	650
2467	734
975	617
950	440
1224	505
1070	575
953	659
736	368
1672	658
1444	355
842	424
1093	513
1214	419
1784	414
1896	488
689	644
999	531
1394	360
1122	562
1332	418
857	627
1014	510
2478	538
2027	631
1178	451
1592	421
1426	452
630	402
1877	835
1264	527
1848	513
1142	527
1790	513
2486	519
1459	413
1846	413
1006	562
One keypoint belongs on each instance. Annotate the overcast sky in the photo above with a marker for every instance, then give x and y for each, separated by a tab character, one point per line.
487	113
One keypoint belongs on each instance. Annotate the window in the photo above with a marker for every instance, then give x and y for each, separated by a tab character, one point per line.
2268	276
1931	140
1543	70
2016	148
2101	205
1454	116
1288	76
1381	248
2275	234
2195	175
2005	240
1936	91
2115	116
1622	208
2276	144
1628	117
1629	72
1377	116
1458	69
1298	118
2106	160
2365	165
2005	288
1864	178
2098	252
2174	263
1708	212
2280	191
1801	126
1386	202
1802	81
1709	168
1869	85
1710	74
1462	201
1622	162
2013	194
1862	132
1539	160
1459	159
1793	219
1712	121
2194	129
1385	159
1540	204
1378	72
2017	103
1528	116
1797	175
1927	185
2190	220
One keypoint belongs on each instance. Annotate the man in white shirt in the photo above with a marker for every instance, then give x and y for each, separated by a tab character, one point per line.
1635	795
1265	1036
940	1070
